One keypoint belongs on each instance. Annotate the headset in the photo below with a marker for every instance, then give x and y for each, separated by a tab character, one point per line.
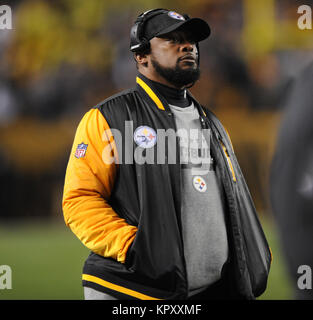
137	42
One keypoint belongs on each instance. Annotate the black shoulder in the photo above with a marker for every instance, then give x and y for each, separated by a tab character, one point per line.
118	107
115	98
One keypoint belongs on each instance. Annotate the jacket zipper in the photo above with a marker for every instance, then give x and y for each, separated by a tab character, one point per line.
226	157
229	163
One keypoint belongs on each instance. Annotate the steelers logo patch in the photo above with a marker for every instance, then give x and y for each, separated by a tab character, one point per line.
176	15
199	184
145	137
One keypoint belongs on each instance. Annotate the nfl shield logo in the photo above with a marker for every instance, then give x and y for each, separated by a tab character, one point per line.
81	150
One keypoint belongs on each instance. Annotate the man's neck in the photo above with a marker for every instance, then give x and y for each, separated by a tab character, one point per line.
174	96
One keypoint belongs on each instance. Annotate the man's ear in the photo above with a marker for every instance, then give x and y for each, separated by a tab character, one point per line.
141	59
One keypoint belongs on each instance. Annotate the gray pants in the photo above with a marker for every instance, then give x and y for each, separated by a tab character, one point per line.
92	294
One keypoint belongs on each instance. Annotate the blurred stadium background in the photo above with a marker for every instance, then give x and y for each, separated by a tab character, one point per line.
64	56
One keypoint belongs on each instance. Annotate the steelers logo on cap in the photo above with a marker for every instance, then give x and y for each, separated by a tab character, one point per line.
199	184
176	15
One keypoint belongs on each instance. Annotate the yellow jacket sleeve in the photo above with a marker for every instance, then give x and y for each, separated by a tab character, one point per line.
88	183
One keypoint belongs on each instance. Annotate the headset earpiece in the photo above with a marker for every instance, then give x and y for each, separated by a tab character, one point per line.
135	42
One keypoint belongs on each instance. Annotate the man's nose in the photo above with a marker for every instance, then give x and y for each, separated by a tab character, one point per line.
187	47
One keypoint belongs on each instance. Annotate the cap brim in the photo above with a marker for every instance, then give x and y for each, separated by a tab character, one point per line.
198	27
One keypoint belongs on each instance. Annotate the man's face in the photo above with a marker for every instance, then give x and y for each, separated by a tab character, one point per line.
175	58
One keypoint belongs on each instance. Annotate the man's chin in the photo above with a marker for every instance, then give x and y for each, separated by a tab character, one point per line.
186	72
187	76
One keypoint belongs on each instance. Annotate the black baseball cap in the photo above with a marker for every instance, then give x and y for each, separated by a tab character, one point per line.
169	21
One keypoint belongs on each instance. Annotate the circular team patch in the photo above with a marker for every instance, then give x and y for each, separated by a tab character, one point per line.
145	137
199	184
176	15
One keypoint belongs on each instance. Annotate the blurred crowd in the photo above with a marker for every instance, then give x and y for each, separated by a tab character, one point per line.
62	57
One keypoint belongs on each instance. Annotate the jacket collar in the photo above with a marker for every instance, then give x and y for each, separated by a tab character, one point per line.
148	88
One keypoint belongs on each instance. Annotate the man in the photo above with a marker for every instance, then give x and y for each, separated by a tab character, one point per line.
153	187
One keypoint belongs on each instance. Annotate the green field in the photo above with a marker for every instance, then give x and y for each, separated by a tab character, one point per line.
46	261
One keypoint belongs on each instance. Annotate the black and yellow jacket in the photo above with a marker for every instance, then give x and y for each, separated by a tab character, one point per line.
128	214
